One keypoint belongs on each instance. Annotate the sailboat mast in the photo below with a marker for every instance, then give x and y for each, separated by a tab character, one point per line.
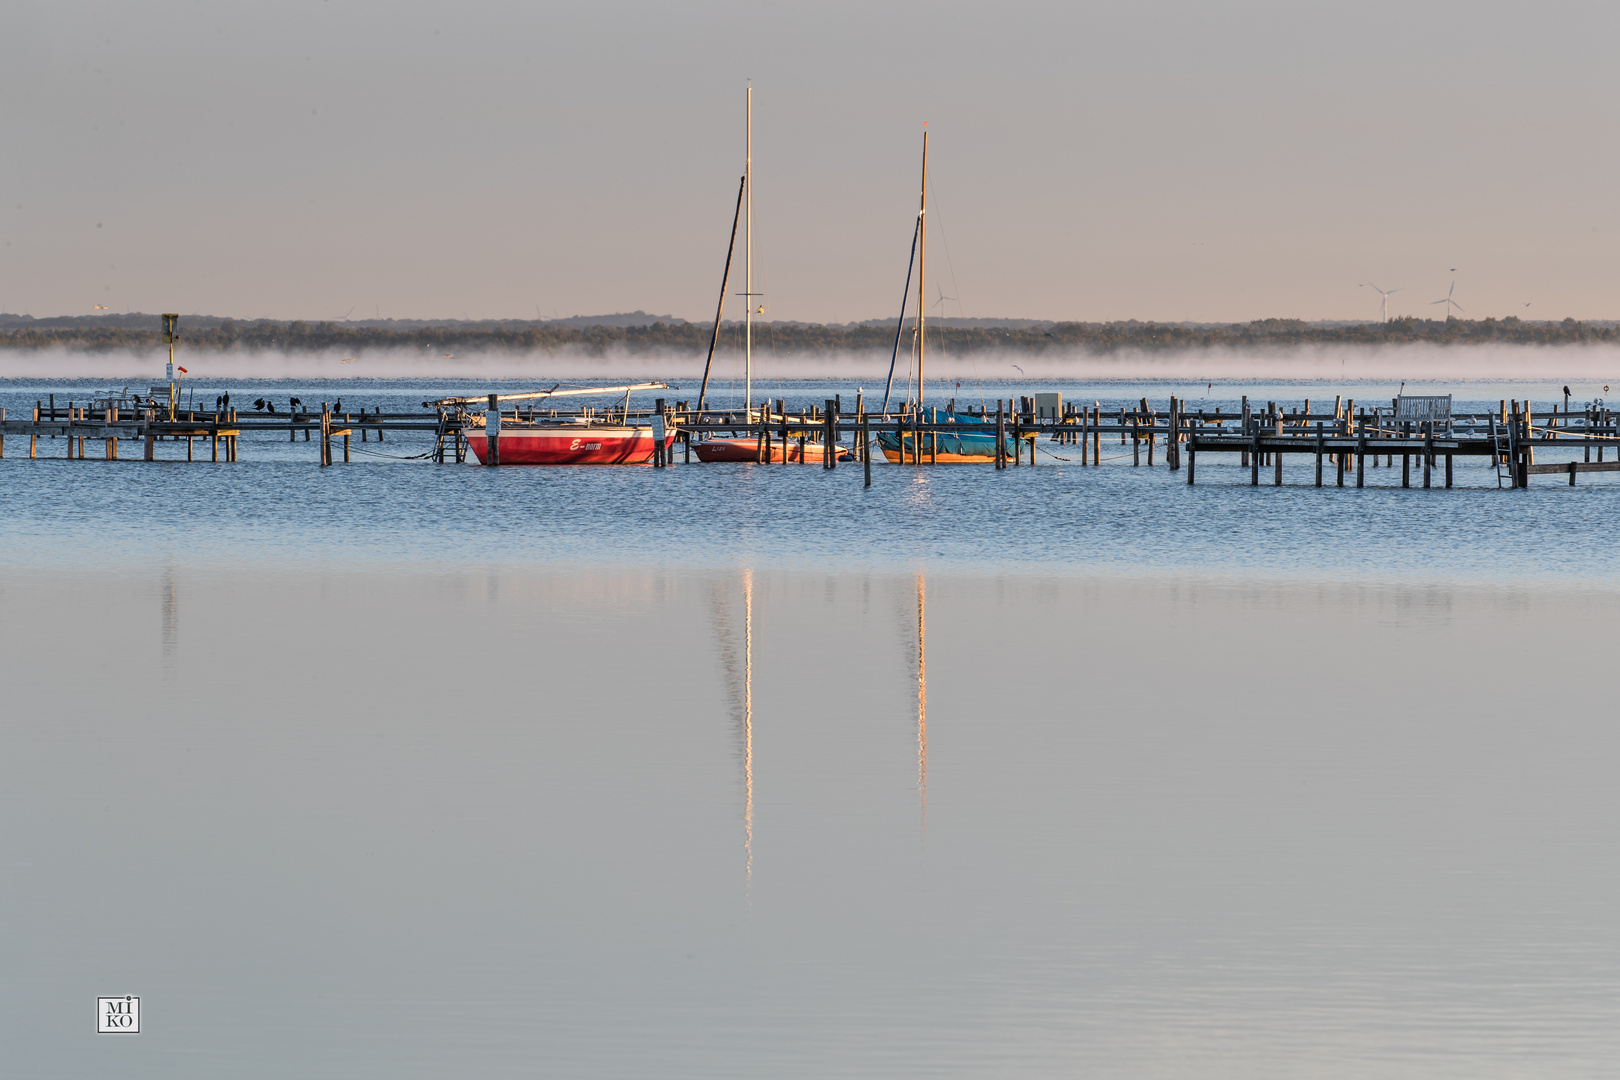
748	264
922	267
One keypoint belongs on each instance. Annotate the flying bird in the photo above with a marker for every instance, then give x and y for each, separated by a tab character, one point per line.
1020	370
350	360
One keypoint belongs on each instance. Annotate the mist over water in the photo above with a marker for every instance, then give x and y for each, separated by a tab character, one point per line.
1326	365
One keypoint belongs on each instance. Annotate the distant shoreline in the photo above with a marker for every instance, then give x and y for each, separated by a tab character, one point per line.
946	337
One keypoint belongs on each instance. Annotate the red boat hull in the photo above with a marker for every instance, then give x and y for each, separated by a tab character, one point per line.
748	450
571	445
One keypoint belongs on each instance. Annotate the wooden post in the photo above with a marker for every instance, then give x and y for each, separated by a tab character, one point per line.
1406	470
112	449
829	453
1136	441
492	433
345	446
1001	436
1192	460
1428	453
1254	459
1276	461
866	447
1152	433
188	447
1448	470
1244	454
1319	453
1172	451
1361	460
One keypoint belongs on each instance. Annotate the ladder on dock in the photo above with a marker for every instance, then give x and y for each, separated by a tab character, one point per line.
1503	455
449	429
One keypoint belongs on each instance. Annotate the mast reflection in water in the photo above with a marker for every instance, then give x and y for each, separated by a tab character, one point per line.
922	700
737	660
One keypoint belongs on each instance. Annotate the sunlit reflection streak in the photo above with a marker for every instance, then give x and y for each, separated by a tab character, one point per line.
737	662
171	619
748	727
922	703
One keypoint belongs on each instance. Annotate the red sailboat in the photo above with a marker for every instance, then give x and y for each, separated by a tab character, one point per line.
566	440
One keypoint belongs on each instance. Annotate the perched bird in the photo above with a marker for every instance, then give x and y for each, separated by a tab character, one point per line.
258	403
270	405
293	403
338	406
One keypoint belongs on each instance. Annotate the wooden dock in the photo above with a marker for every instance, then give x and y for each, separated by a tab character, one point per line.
1342	442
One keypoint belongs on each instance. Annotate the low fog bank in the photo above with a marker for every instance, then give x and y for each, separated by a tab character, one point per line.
1323	363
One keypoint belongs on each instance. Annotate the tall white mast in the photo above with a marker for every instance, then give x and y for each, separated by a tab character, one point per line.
748	264
922	267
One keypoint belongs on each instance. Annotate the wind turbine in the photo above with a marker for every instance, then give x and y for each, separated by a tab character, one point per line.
1449	302
939	305
1385	293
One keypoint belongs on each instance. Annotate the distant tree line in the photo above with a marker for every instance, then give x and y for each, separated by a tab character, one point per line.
229	335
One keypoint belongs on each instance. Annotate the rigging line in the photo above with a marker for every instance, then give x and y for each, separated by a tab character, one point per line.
714	339
900	326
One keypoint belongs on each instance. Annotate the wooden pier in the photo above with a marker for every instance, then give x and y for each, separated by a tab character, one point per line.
1342	443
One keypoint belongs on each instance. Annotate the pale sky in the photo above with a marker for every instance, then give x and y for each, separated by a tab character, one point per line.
1097	161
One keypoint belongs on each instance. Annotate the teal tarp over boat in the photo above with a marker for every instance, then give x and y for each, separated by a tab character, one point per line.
974	444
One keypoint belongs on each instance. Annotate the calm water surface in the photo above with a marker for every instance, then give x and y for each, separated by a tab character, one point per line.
405	770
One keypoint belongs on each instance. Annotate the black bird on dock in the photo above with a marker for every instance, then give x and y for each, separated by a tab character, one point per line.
258	403
271	406
338	405
293	403
227	399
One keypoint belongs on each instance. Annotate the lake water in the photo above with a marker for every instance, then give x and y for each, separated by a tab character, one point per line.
402	770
